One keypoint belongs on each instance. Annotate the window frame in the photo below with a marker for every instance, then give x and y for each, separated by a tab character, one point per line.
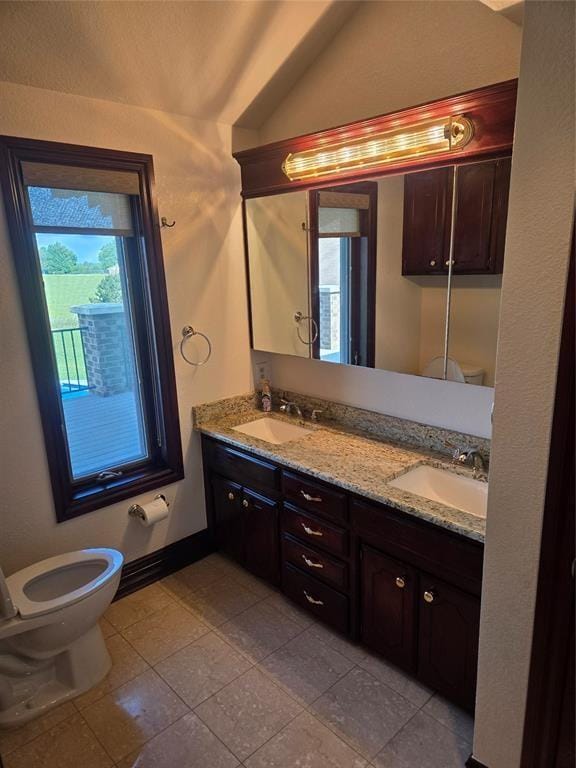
72	499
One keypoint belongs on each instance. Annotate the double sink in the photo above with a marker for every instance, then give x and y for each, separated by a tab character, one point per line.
429	482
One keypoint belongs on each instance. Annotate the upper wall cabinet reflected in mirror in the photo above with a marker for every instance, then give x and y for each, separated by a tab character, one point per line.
360	273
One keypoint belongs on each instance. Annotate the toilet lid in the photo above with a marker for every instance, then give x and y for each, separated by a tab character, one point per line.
41	588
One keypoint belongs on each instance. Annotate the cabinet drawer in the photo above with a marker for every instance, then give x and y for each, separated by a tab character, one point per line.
314	531
322	601
317	563
426	546
246	470
314	497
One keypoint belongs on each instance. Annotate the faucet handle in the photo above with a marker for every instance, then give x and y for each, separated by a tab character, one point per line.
315	415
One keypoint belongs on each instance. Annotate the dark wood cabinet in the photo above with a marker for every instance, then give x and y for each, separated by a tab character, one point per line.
480	219
227	498
260	533
408	589
246	527
388	592
426	232
448	639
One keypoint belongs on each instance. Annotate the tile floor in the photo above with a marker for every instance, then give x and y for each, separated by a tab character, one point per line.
214	669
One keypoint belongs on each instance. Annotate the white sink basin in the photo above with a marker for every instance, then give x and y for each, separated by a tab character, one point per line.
446	487
273	430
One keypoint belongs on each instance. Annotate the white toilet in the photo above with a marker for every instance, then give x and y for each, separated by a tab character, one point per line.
51	646
462	372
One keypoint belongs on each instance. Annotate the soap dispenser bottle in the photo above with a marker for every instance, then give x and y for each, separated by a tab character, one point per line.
265	395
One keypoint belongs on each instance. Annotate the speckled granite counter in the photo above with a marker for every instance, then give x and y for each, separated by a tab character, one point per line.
345	458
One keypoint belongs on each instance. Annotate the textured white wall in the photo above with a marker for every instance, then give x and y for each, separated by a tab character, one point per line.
535	267
387	56
198	186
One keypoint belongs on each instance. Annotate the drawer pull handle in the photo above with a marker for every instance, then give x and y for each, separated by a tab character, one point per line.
311	563
231	496
310	498
429	596
400	582
245	503
311	599
311	531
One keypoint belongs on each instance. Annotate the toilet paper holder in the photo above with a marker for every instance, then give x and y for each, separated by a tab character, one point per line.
136	510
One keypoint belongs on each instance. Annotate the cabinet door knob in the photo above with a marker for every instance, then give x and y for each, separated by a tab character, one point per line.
231	496
429	596
433	262
450	262
311	563
311	531
310	498
400	582
311	599
245	503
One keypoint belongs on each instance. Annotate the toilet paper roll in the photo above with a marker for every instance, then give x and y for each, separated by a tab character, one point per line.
150	513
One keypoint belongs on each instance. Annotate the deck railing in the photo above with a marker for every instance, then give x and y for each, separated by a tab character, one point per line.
69	350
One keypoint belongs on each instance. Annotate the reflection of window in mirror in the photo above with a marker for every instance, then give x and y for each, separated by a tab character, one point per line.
343	272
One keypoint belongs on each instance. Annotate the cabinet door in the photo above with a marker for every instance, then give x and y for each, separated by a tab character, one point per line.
261	536
426	231
228	517
388	607
448	640
481	207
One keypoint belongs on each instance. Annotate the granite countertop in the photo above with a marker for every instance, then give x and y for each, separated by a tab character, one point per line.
360	464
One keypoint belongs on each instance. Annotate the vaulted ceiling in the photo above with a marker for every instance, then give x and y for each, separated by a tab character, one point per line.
210	60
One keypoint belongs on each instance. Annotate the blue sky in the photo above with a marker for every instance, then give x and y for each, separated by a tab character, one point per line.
86	247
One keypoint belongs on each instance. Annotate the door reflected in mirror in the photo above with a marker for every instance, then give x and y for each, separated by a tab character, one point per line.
380	274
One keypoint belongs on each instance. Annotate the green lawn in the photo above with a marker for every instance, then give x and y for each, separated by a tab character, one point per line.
63	292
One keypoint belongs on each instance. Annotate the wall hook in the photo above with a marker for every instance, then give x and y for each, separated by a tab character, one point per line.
164	222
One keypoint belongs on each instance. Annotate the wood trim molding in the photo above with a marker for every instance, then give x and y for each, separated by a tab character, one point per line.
155	566
473	763
492	110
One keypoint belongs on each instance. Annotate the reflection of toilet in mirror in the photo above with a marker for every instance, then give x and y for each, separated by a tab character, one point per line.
462	372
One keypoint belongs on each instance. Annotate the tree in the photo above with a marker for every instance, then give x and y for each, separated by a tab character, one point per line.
57	259
107	256
109	289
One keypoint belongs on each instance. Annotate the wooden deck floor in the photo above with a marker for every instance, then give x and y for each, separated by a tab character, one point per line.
102	431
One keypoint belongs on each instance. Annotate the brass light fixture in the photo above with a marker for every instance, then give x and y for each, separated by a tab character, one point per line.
429	137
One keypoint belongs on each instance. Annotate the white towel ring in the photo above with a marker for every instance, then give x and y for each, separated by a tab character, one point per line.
187	333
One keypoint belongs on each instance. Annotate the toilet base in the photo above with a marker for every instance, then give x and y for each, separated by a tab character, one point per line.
26	695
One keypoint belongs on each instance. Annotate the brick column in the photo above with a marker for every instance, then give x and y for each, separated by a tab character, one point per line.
107	351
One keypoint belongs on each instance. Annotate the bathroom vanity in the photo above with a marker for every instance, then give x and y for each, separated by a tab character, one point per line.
396	572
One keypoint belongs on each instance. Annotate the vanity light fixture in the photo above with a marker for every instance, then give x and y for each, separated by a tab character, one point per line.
429	137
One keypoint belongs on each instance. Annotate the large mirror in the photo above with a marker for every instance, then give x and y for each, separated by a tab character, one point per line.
401	272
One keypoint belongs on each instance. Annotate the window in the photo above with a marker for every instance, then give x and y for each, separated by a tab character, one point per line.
343	272
90	270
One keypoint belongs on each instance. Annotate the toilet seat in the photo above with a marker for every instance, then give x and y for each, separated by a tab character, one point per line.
28	607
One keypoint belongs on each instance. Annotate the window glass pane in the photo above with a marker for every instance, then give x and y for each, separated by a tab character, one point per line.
87	293
332	284
80	209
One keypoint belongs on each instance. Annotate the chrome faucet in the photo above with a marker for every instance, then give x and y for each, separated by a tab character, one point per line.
472	458
289	406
